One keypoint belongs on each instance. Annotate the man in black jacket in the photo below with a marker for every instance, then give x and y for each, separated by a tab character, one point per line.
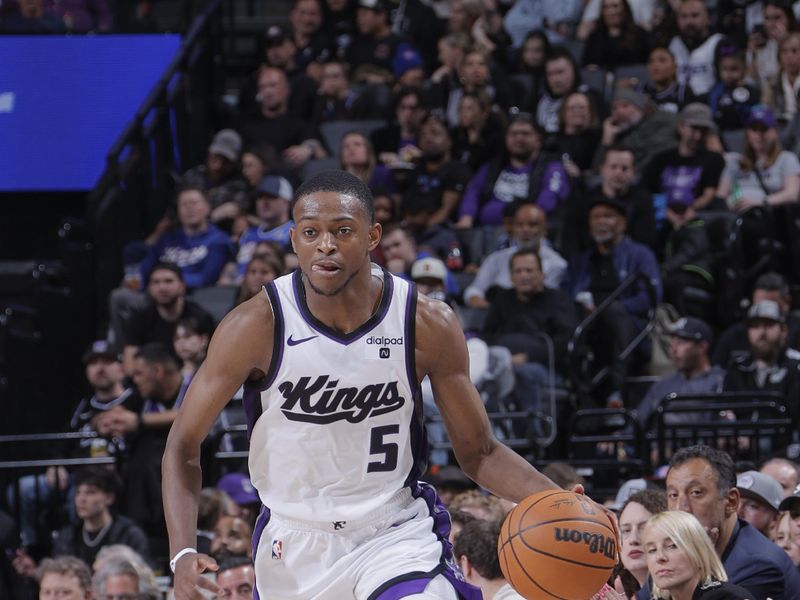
517	319
702	481
769	366
96	491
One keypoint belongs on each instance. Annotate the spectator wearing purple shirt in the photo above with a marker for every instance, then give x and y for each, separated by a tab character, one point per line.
521	173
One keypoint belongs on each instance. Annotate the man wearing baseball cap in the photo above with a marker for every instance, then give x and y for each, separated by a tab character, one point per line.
769	365
689	174
690	339
271	199
760	498
220	177
595	274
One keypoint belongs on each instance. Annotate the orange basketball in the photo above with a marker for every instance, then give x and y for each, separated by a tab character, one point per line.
557	544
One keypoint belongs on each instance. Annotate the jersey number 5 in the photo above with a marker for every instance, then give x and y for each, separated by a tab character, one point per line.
388	450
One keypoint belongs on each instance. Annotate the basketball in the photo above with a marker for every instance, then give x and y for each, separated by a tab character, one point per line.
557	544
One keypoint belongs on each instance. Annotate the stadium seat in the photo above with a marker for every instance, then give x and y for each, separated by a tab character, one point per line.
733	140
575	48
595	79
312	167
217	300
636	73
332	132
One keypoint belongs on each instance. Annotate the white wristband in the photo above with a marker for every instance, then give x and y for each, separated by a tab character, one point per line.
177	557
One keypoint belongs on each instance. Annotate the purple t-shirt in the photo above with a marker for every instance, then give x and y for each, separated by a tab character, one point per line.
511	184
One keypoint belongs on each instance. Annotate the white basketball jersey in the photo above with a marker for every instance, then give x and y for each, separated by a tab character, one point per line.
336	424
696	68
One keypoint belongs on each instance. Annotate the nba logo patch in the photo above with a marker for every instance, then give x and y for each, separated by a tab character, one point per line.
277	549
384	352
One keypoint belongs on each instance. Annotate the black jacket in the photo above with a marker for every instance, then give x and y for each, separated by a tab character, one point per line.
123	530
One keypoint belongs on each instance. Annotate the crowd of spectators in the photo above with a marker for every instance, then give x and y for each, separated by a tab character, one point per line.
534	165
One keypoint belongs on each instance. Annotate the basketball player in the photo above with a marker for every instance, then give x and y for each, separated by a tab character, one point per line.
331	357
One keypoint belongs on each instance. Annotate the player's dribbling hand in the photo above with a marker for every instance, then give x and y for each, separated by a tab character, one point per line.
578	489
189	578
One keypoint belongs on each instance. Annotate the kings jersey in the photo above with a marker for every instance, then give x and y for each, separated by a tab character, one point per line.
336	424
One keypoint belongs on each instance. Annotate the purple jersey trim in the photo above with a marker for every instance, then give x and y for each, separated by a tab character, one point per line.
418	437
329	332
251	399
415	583
261	523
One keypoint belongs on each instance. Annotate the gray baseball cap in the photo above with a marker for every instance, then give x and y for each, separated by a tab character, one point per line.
760	487
766	309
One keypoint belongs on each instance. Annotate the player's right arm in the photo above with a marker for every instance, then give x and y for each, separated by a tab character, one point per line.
240	349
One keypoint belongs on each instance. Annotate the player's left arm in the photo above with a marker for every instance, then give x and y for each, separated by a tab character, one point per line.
442	354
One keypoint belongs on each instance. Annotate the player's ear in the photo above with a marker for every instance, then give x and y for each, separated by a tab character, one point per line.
375	232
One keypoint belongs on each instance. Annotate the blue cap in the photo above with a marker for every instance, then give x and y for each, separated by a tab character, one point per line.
406	59
760	114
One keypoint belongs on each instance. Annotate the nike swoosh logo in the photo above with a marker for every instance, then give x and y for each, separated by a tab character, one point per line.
292	342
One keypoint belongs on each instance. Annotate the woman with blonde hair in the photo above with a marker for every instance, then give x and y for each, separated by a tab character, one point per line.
682	561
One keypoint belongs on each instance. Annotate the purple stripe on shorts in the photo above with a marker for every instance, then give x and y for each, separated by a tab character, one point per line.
401	589
261	522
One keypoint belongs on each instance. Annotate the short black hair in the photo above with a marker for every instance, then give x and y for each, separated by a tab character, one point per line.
616	147
341	182
102	478
720	461
156	353
234	562
774	282
166	266
525	252
477	540
194	188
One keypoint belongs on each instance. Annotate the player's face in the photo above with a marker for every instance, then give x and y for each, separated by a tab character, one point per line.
231	537
61	586
332	239
631	527
669	565
238	583
692	487
91	501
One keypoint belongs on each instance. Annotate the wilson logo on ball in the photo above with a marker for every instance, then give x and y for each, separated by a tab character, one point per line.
598	544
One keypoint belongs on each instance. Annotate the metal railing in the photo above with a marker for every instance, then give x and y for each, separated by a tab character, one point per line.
167	134
576	343
20	470
748	425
